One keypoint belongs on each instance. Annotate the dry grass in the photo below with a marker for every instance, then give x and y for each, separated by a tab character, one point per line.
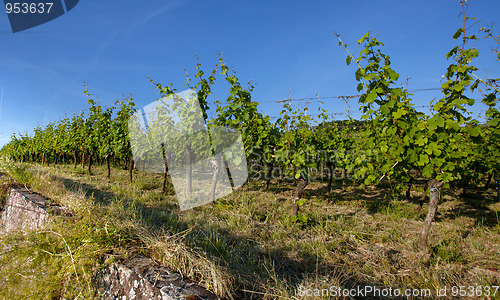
244	246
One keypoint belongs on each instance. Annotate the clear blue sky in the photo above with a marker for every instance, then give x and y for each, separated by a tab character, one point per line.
280	45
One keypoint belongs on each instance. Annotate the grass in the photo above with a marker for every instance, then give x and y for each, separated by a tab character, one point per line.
244	246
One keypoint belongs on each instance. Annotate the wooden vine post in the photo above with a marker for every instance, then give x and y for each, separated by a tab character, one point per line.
435	195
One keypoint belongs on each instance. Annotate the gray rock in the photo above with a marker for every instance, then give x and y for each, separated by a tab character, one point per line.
141	278
26	211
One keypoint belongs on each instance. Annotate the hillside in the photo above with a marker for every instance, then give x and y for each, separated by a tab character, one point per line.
244	246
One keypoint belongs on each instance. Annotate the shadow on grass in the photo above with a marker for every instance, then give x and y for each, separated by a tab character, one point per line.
473	205
482	216
153	216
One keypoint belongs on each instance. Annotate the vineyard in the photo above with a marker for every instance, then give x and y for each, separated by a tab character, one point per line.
327	202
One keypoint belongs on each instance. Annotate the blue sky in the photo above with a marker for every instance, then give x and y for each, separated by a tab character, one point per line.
285	47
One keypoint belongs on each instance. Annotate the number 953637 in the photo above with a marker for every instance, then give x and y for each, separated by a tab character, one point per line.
28	8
